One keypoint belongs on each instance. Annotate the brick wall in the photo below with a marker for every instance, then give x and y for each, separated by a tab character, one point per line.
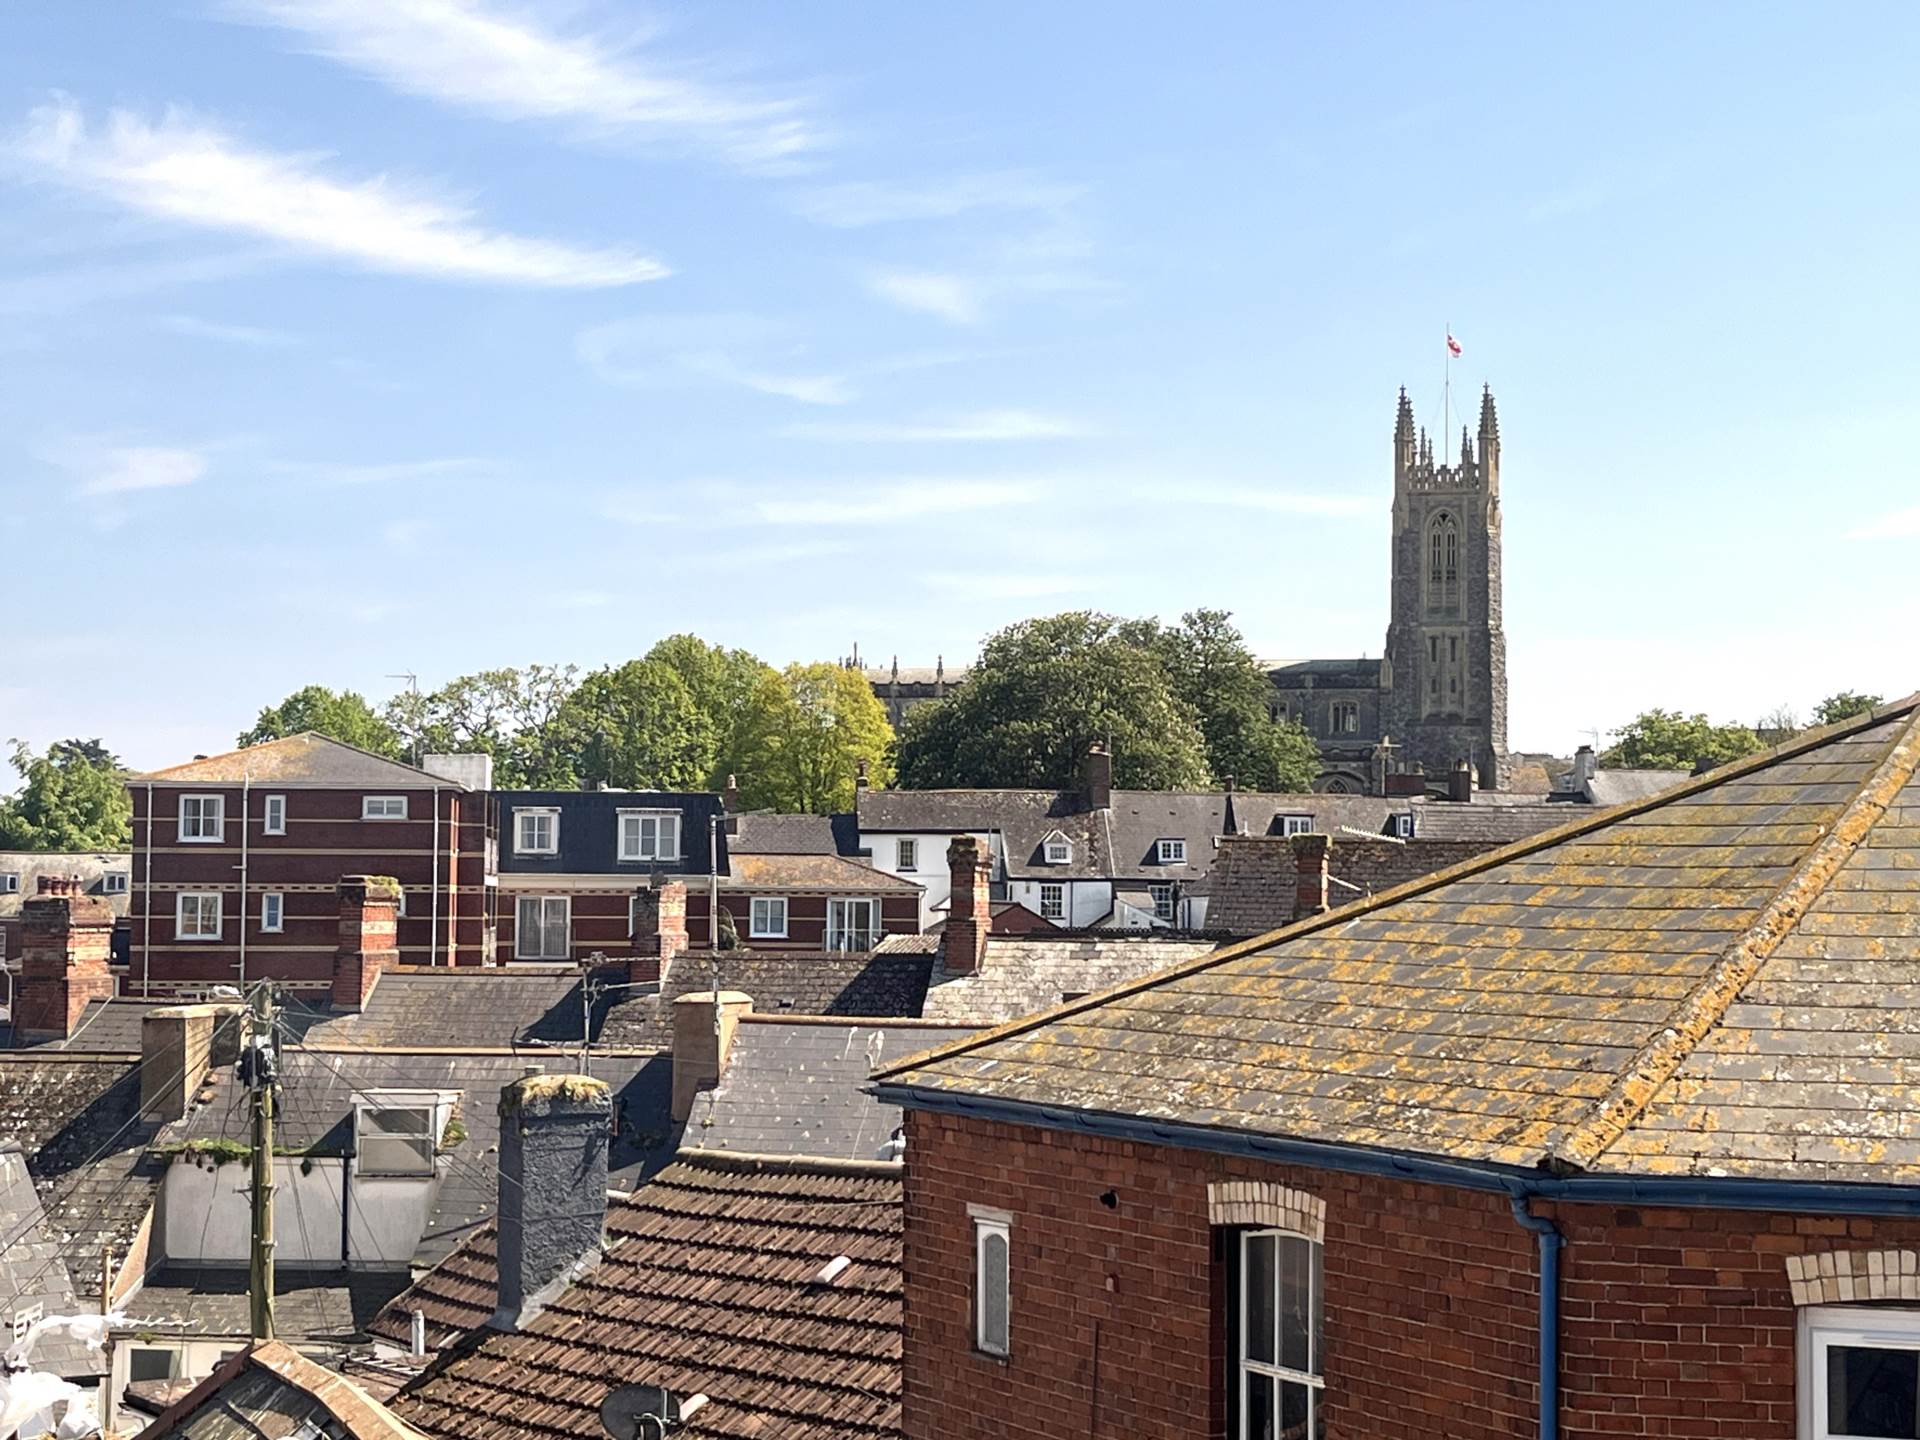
1676	1323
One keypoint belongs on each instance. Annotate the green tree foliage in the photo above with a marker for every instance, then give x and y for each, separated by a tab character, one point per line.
1844	706
509	714
723	684
1044	691
635	726
1668	740
808	728
1213	672
342	715
74	797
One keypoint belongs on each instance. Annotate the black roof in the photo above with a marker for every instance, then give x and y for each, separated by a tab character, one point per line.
879	985
589	842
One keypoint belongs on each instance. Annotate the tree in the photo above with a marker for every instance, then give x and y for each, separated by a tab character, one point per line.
807	731
1043	693
1668	740
1844	706
723	684
344	716
509	714
1213	671
634	726
72	798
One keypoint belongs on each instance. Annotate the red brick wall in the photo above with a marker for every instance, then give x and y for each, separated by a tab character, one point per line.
1675	1323
600	919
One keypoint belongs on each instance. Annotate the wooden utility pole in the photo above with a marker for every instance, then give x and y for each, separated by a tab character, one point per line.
260	1078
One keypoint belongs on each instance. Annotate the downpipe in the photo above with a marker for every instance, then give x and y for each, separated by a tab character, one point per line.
1550	1240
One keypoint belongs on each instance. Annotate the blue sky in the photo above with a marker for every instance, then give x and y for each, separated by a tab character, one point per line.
351	337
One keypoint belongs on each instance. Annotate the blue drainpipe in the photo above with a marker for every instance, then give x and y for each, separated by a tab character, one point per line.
1550	1242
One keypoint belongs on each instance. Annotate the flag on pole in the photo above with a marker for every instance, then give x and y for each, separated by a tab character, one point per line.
1453	346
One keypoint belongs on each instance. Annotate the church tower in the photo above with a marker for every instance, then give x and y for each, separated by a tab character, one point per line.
1444	684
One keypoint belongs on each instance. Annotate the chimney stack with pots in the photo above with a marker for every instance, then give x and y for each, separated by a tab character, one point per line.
1460	783
66	940
659	930
1099	777
369	937
963	944
554	1134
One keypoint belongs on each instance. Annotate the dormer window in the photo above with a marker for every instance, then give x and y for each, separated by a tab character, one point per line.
396	1132
1296	824
1057	850
536	832
1172	852
649	835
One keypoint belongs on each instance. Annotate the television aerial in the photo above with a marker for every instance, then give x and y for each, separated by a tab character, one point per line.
646	1412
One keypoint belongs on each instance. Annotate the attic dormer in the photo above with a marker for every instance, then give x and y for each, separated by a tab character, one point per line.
1056	849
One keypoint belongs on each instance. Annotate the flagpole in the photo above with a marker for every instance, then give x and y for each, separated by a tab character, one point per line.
1446	391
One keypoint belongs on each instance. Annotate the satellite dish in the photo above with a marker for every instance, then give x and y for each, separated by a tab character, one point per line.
639	1412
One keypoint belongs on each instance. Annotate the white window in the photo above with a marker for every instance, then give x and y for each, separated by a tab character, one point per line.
543	928
649	835
1162	901
273	907
1277	1380
1859	1373
850	925
1058	851
196	916
275	822
536	832
114	882
907	855
1403	826
383	807
9	883
394	1139
769	918
203	818
1053	902
1173	852
24	1317
992	1280
1296	824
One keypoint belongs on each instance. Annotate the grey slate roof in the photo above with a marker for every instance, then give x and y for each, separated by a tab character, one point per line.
305	759
1355	672
756	833
1619	787
308	1305
88	866
796	1087
1720	980
422	1006
879	985
1018	976
1489	823
33	1273
589	838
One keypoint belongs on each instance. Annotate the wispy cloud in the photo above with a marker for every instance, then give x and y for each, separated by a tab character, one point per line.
957	299
860	203
119	470
755	353
1894	525
1278	502
185	171
907	498
501	61
327	472
1004	587
965	297
981	425
254	335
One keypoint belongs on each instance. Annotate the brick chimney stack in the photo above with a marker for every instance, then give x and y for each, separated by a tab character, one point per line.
1310	855
369	937
702	1042
659	930
554	1134
1099	777
969	909
730	797
66	941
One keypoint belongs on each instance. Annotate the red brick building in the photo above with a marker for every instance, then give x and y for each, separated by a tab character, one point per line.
237	859
1611	1132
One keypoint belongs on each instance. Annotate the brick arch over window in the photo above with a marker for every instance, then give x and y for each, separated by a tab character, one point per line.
1838	1276
1267	1205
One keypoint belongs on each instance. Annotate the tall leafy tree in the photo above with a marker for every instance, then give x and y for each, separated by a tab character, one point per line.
1844	706
808	730
340	715
1043	692
510	714
635	726
1669	740
74	797
1212	670
723	684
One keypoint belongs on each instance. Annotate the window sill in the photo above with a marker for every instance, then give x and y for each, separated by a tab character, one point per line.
203	839
757	935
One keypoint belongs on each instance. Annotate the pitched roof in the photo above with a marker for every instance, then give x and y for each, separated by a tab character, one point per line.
1019	974
426	1007
309	758
271	1389
1254	884
879	985
33	1272
308	1305
812	872
763	834
707	1286
88	866
1702	983
1619	787
1487	822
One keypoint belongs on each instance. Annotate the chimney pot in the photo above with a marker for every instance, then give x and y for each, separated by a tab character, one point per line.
554	1134
963	944
1311	852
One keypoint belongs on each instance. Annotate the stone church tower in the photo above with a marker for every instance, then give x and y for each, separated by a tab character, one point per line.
1443	686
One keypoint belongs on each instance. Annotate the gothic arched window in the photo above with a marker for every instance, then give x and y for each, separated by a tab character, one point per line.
1443	562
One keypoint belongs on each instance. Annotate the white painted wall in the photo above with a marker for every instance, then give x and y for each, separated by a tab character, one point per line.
930	865
1088	901
207	1214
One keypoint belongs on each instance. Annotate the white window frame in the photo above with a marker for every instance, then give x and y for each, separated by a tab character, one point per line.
906	855
199	835
115	882
380	807
1172	906
1057	850
549	813
273	912
1296	825
1821	1327
520	929
1245	1365
273	815
1171	851
180	931
25	1318
9	883
418	1144
839	913
757	929
638	849
990	1225
1403	826
1060	900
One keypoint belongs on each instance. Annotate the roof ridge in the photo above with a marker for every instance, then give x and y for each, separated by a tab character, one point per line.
1702	1007
1473	865
746	1162
161	774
